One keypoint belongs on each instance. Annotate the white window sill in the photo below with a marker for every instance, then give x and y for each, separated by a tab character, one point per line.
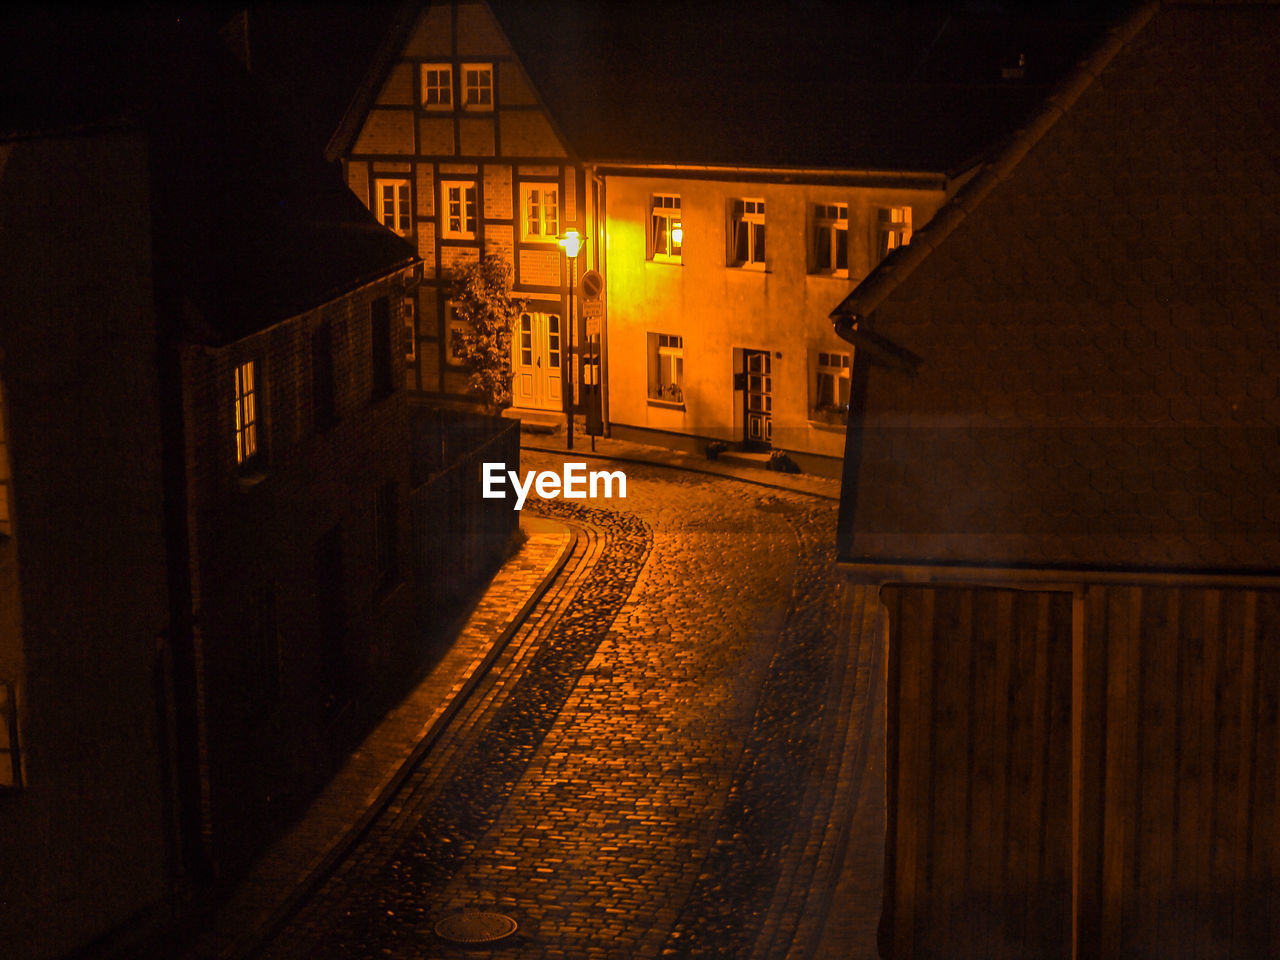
750	267
830	274
251	479
668	404
827	425
662	261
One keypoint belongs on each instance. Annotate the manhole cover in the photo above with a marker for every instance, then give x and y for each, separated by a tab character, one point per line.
475	926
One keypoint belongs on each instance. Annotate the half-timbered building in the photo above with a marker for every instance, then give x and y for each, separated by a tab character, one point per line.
725	216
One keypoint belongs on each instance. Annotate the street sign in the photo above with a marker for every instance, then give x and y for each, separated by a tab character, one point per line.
593	326
592	285
592	309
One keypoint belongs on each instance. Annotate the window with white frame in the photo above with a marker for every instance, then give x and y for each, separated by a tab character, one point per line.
248	448
458	209
437	86
894	229
477	86
746	233
832	395
831	238
666	367
541	205
666	230
392	199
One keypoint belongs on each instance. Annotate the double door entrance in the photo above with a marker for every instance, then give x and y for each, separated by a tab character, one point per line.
536	362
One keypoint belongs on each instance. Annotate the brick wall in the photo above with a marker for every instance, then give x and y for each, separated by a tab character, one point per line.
254	542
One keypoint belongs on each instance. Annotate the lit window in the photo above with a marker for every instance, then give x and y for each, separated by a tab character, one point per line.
458	202
6	518
666	231
246	414
393	205
832	396
437	86
831	238
477	86
895	229
666	367
410	330
541	211
746	233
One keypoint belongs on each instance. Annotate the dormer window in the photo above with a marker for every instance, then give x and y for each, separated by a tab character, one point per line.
477	86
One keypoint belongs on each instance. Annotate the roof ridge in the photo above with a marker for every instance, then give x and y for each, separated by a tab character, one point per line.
392	43
878	284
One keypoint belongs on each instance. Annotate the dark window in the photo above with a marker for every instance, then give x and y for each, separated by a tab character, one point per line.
385	510
322	384
381	339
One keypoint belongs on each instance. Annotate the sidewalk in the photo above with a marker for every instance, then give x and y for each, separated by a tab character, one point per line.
624	451
287	872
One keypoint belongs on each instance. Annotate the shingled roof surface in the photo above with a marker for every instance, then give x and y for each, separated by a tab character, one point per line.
1100	333
251	223
817	84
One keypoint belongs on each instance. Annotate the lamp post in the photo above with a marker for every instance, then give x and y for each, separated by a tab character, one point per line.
571	241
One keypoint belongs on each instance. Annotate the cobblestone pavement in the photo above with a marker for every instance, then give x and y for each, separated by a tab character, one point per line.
657	764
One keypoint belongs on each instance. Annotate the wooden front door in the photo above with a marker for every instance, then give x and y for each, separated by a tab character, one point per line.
536	360
757	399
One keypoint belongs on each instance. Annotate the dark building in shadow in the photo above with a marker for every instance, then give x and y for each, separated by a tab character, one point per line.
1060	467
206	569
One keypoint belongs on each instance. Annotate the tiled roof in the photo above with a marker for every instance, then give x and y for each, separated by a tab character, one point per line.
1099	328
829	85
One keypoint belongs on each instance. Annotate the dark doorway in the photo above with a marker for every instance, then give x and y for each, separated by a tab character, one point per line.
331	620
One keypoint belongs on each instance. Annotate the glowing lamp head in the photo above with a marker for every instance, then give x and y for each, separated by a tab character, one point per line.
572	243
677	233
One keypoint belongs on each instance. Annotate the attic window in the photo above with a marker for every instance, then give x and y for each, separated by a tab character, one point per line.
477	86
437	86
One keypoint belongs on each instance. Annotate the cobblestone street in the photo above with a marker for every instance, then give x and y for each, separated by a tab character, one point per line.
662	762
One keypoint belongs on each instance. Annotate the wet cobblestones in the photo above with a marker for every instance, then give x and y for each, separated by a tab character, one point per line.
638	780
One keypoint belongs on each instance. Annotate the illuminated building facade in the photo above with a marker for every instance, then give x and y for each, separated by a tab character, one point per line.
726	222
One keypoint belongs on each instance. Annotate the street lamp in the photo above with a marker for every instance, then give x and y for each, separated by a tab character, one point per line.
571	241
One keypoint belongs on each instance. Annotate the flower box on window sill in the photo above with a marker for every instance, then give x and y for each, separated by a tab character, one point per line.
669	404
828	416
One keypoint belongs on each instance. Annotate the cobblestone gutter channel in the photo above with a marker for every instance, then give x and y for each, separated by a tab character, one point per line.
388	918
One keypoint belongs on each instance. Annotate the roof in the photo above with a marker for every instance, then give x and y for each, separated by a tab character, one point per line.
819	84
1097	317
252	225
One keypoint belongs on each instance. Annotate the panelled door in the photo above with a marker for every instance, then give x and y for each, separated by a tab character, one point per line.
536	362
757	399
